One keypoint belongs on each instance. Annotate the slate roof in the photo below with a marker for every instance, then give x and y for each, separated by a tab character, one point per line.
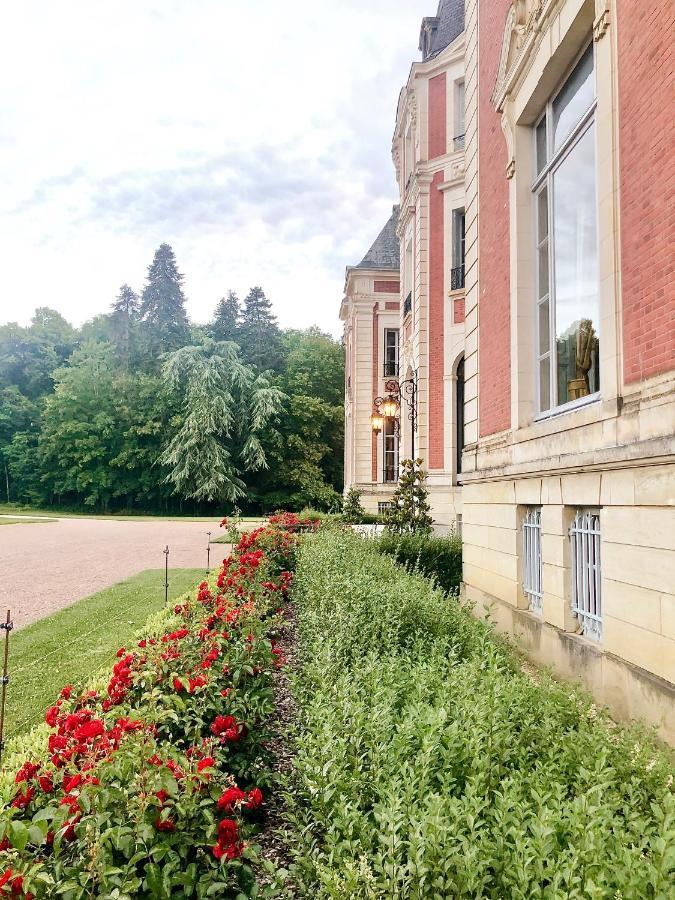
384	253
449	24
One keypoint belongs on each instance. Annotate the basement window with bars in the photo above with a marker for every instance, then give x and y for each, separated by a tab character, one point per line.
586	594
532	569
383	506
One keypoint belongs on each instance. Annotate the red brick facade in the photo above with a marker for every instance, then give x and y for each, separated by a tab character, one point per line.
437	116
494	342
436	323
458	310
647	185
386	287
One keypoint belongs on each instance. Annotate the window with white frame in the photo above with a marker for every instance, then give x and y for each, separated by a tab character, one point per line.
586	595
565	204
458	249
383	506
532	568
458	140
390	352
390	450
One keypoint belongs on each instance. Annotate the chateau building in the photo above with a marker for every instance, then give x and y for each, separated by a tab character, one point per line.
537	323
370	312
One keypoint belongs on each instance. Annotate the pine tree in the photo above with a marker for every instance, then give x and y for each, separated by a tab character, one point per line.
163	304
259	333
352	510
225	325
125	310
409	511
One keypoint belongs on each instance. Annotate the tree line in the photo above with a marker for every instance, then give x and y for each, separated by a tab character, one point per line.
140	409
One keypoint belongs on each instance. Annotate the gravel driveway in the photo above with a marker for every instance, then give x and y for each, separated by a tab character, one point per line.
44	567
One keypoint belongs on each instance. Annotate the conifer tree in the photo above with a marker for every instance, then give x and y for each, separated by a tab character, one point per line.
259	333
352	510
409	511
225	325
125	309
163	304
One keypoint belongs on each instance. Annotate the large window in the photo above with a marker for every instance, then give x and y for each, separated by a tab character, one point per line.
566	243
458	248
391	353
390	438
458	141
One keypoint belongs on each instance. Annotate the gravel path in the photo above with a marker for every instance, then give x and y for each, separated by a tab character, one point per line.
46	567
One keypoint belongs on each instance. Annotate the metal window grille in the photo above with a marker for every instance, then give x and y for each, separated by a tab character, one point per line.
383	506
532	576
586	596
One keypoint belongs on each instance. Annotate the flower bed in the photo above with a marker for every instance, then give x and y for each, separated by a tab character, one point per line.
152	786
430	765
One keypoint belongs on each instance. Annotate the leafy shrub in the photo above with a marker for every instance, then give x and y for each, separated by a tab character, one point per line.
429	765
440	557
150	786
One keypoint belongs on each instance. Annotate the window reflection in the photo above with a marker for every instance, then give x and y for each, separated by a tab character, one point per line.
576	272
574	99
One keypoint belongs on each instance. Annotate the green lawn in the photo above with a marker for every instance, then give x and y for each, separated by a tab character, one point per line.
72	644
25	520
12	509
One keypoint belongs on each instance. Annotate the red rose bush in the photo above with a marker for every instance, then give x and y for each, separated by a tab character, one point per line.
153	786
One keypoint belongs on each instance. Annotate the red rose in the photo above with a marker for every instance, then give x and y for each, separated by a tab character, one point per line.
228	832
164	825
228	800
208	762
255	799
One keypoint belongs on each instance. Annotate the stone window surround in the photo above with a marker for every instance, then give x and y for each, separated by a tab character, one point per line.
551	39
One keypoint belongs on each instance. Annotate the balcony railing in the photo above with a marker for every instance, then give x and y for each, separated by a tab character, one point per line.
457	278
458	141
407	305
390	369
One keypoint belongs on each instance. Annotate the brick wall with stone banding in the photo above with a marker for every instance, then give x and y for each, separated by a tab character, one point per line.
647	188
494	345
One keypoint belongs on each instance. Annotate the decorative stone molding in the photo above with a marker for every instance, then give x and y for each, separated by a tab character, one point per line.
412	108
511	168
521	20
396	157
601	23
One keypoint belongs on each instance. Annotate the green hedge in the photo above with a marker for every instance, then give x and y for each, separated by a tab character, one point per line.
429	765
440	557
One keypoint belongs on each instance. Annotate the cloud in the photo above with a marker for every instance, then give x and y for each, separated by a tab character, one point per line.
253	137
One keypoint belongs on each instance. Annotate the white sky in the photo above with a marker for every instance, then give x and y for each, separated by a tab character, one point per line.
252	135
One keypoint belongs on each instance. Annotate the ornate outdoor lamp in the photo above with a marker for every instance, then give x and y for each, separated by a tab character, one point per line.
389	406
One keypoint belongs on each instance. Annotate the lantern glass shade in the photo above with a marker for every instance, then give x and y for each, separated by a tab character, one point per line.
376	422
389	408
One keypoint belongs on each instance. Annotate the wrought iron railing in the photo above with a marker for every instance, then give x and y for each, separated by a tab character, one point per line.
407	305
586	576
532	567
390	369
457	278
458	142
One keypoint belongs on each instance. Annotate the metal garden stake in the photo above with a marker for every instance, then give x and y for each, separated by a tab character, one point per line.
166	574
7	626
208	554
